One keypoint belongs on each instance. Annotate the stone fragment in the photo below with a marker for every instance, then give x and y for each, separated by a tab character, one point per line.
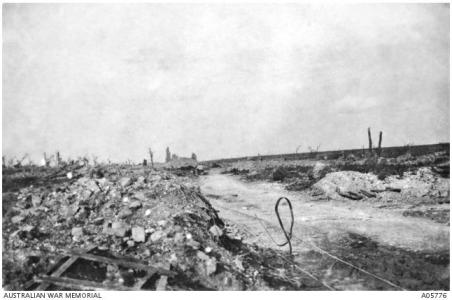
162	223
173	258
36	200
239	264
82	213
178	237
138	234
17	219
140	196
216	231
27	228
119	229
141	180
125	181
77	232
201	255
157	235
135	204
124	213
98	221
211	266
115	196
194	244
107	228
92	186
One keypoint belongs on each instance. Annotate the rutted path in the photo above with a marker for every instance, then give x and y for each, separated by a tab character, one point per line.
324	223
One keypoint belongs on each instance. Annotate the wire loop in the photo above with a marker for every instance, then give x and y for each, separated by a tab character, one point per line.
287	235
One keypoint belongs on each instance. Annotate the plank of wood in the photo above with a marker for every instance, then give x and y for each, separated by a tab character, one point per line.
81	285
140	282
367	194
121	262
163	280
161	283
349	195
58	272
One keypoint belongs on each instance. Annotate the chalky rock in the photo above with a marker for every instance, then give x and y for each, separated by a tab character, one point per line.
138	234
216	231
125	181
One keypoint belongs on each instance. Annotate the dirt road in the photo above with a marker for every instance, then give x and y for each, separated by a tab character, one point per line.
339	227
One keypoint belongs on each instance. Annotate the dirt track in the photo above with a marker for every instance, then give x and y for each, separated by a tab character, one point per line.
338	227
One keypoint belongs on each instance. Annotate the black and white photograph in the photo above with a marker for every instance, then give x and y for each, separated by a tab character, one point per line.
225	147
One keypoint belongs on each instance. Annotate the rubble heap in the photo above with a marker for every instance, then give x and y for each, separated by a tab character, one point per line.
421	183
152	216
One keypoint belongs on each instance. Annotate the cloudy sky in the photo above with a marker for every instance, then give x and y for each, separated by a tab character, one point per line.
221	80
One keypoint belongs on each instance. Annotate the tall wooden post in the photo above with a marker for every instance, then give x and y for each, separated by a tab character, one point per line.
168	155
380	139
151	154
58	158
370	139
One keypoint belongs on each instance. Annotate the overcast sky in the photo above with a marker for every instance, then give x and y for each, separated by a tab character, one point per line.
221	80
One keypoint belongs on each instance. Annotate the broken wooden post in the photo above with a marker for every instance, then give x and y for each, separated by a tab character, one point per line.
3	161
380	138
168	155
151	154
58	159
370	140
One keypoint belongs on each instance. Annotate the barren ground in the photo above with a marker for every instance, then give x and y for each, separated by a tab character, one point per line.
411	252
